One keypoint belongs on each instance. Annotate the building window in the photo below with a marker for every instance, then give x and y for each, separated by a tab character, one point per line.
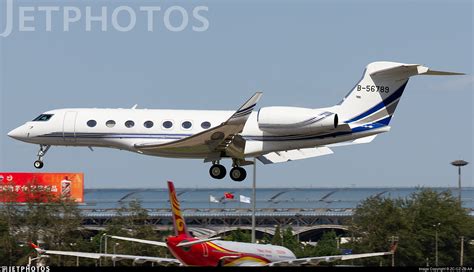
148	124
110	123
205	125
167	124
91	123
186	125
129	124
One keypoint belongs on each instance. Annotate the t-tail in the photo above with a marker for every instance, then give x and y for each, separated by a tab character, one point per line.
374	99
178	220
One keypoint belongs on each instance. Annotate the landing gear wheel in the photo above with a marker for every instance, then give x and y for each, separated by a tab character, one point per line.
42	151
238	174
217	171
38	164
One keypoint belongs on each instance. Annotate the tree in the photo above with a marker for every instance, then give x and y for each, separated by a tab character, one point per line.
132	221
289	240
413	220
239	235
277	238
9	223
327	246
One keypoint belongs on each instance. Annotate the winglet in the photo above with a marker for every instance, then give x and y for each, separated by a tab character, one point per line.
246	109
37	248
393	247
34	246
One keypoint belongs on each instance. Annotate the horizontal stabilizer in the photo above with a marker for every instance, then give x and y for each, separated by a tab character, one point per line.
294	154
442	73
407	70
364	140
187	244
155	243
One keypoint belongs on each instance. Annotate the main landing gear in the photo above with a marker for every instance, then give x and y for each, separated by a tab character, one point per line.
43	149
218	171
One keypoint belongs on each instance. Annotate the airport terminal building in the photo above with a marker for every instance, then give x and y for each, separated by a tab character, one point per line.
210	212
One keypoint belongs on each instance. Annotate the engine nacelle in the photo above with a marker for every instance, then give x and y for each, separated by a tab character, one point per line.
293	120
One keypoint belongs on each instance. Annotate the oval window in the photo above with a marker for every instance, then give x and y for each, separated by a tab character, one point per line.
205	125
148	124
186	125
91	123
110	123
167	124
129	124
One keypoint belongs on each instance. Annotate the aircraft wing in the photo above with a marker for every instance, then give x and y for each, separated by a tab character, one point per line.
223	137
317	260
294	154
116	257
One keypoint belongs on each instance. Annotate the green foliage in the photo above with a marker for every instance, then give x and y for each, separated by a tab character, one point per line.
327	246
413	220
240	236
131	221
57	225
277	239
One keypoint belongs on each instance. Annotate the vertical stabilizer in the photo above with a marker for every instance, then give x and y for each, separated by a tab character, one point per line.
376	96
178	220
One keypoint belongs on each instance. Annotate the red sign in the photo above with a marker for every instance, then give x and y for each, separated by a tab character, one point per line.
24	187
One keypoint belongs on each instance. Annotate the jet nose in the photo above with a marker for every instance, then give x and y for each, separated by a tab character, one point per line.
18	133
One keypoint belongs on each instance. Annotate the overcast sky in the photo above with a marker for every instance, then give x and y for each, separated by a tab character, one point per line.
300	53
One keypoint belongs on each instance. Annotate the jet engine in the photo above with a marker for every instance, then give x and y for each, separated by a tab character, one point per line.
293	120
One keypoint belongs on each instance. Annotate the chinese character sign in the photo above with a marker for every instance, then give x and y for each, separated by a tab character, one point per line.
22	187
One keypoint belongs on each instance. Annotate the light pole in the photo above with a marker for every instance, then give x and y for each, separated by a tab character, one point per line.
436	242
393	239
100	247
105	248
254	197
461	259
77	257
459	164
298	216
115	245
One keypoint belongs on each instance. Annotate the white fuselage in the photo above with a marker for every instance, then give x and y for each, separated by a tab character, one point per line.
69	127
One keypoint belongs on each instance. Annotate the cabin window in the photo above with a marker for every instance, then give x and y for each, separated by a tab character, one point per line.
129	124
91	123
186	125
43	117
205	125
167	124
148	124
110	123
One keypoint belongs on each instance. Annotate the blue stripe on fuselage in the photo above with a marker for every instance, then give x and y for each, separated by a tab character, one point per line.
397	94
375	125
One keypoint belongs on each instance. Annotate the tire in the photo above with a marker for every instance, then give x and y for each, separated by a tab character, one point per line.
38	164
217	171
238	174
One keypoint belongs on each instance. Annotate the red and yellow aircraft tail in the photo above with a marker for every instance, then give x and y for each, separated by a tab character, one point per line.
178	220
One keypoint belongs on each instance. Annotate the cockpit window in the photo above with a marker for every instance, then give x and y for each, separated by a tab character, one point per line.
43	117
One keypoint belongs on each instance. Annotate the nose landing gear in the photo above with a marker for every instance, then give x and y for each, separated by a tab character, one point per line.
43	150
